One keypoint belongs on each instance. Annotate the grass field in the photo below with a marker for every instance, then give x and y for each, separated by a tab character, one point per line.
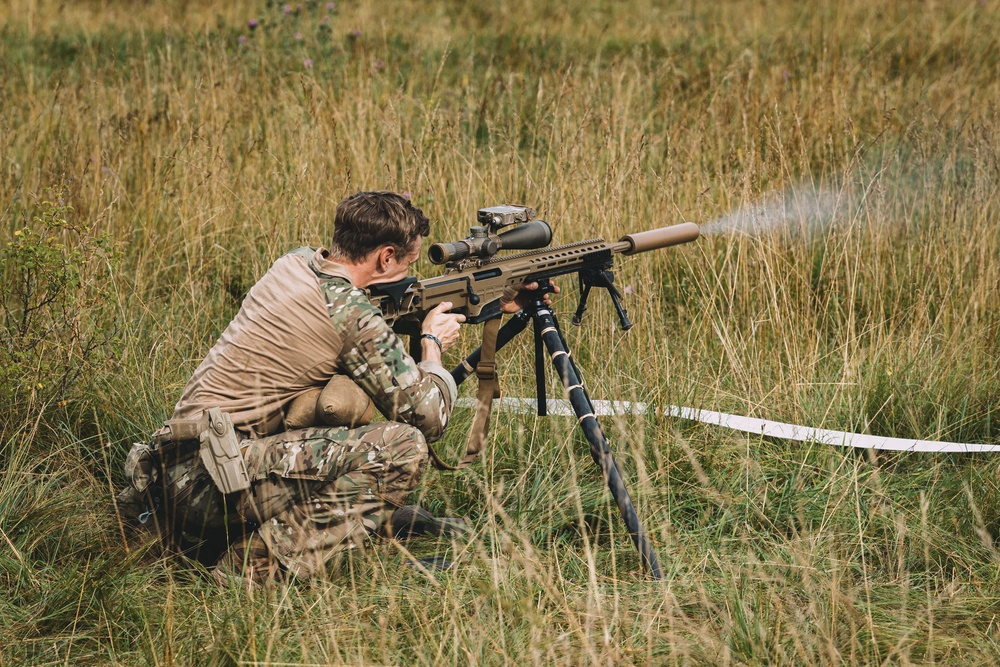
156	157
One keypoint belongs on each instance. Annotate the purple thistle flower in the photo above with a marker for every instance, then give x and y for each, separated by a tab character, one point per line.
355	33
629	289
241	39
308	62
330	6
252	24
326	19
407	195
287	9
379	65
298	35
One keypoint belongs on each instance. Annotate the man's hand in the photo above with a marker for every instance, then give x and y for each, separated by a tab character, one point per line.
444	326
523	298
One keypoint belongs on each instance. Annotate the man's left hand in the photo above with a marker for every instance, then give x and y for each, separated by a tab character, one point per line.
524	298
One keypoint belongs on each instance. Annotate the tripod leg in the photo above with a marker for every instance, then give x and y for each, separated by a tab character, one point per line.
600	451
540	371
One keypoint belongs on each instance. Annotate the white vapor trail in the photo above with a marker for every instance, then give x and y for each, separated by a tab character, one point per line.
805	209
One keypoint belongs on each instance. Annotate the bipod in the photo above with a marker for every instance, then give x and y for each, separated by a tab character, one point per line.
604	279
548	337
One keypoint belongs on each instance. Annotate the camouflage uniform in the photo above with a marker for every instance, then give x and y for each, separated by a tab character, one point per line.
326	489
321	491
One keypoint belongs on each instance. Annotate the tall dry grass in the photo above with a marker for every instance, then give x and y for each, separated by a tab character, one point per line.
202	159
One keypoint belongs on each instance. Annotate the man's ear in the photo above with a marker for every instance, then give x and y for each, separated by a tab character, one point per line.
383	255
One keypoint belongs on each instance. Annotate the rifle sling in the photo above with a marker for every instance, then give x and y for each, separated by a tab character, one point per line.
489	389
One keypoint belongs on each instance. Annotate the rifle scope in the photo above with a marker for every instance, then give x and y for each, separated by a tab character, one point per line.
481	243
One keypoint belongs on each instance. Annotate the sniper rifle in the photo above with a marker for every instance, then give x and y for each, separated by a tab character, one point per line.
475	277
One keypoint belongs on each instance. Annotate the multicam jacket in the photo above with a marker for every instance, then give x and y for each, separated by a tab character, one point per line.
300	324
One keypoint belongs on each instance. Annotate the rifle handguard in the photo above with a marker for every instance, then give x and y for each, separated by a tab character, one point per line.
661	238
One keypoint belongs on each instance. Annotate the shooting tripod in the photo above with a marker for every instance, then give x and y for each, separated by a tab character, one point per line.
549	337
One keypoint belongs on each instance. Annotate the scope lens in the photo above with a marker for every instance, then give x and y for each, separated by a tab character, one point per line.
436	254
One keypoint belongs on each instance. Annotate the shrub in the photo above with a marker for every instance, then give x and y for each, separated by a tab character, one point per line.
58	324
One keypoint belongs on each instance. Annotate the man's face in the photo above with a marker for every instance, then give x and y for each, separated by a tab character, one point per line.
399	268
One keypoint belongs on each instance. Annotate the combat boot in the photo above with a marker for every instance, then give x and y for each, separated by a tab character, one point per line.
414	521
247	561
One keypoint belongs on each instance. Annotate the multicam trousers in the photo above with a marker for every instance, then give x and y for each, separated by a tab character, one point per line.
319	491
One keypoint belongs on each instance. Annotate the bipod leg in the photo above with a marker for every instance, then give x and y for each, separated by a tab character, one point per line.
581	307
600	451
605	280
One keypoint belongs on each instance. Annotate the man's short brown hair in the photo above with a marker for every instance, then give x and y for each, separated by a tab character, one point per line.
367	221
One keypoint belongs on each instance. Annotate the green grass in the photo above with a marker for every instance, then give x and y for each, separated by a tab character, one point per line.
191	161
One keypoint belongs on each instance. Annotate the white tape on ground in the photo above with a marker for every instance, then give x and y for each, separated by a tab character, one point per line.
562	407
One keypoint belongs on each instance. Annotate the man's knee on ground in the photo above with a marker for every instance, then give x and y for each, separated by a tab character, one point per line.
405	457
407	449
406	443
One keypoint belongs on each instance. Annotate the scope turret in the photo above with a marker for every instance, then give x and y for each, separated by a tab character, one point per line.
481	243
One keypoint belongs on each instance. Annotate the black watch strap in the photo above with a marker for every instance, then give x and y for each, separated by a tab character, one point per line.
433	338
